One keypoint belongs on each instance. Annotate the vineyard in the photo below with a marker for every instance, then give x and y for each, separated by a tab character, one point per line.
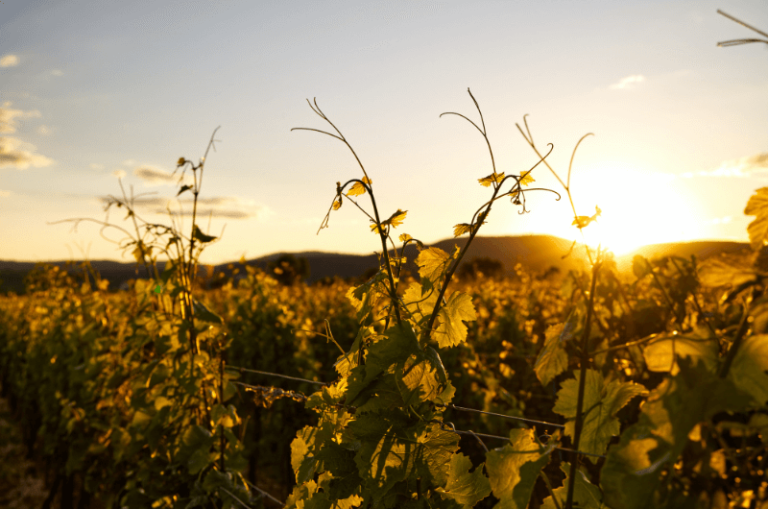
581	390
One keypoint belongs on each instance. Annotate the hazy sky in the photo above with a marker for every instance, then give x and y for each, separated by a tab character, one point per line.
95	89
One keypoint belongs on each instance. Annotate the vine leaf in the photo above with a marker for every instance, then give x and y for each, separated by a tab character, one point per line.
584	221
492	178
661	355
513	469
451	330
394	221
631	473
553	359
465	488
758	229
601	403
358	188
418	382
748	371
585	494
197	234
432	263
461	229
526	179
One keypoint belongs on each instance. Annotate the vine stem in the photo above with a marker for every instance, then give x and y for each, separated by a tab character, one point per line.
579	424
743	327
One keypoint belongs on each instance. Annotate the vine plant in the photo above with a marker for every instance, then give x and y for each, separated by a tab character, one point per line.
381	438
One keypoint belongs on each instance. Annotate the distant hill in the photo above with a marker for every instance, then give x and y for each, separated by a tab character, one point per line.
536	252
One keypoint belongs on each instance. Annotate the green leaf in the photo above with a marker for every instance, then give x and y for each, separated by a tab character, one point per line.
585	494
748	371
420	302
366	296
513	469
451	330
198	235
661	355
758	229
205	314
465	488
714	272
601	403
433	262
417	380
631	473
553	359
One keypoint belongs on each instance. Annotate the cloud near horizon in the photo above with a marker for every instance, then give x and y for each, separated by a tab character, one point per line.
16	153
748	166
220	207
9	60
153	177
628	82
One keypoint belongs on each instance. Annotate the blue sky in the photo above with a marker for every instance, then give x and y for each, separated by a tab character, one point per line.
92	90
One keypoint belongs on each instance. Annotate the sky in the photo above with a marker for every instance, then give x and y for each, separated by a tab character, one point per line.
95	94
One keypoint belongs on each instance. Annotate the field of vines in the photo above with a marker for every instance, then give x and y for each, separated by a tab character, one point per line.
591	389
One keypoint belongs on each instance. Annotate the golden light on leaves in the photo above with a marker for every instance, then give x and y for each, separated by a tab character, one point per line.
461	229
526	179
584	221
490	179
404	237
337	204
394	220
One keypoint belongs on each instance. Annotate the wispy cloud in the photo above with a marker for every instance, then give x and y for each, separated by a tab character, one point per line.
97	166
119	174
57	72
9	60
44	130
152	176
628	83
13	151
748	166
4	193
8	116
16	153
222	207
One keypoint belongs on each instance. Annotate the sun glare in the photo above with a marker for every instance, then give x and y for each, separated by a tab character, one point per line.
637	209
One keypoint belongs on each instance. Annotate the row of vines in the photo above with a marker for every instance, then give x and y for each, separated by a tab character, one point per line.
592	390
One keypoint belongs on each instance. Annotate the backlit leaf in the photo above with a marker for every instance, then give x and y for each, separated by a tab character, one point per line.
461	229
465	488
490	179
513	469
585	494
758	228
553	359
451	330
404	237
526	179
661	354
601	403
356	190
433	262
748	371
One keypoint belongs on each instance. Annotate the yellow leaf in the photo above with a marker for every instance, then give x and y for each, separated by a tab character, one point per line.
461	229
526	179
397	218
356	190
394	220
404	237
582	222
337	204
367	180
493	177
